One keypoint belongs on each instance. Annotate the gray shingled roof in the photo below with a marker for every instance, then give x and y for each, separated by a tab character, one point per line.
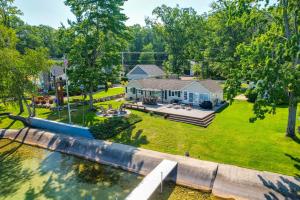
163	84
211	85
175	84
152	70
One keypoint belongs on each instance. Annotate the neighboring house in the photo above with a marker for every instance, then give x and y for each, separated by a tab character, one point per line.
47	78
170	90
145	71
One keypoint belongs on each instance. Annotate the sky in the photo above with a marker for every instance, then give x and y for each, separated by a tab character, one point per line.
54	12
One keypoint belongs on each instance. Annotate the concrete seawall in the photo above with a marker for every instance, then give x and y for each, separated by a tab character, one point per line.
223	181
58	127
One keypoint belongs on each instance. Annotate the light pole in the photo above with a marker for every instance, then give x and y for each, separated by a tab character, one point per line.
67	88
83	101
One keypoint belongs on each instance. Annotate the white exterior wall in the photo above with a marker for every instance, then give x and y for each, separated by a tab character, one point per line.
196	89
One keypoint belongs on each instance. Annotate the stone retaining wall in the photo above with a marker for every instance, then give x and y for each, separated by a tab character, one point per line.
224	181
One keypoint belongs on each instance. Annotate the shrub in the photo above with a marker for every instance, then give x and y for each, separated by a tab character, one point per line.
113	126
251	94
51	92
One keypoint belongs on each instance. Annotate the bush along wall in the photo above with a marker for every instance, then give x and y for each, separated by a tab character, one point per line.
113	126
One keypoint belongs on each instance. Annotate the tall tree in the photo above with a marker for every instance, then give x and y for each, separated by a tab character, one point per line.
181	33
97	33
271	60
174	34
147	55
34	37
19	72
8	13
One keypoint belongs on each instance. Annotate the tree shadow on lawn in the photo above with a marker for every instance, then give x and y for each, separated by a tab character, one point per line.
128	137
11	124
296	161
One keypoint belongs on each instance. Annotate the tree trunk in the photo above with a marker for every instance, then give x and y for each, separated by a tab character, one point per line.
27	106
91	98
21	106
33	107
290	131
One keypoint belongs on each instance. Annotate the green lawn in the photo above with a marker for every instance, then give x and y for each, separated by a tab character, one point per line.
97	95
77	115
229	139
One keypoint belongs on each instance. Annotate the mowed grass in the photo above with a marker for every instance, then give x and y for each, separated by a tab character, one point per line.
230	139
77	115
98	95
80	115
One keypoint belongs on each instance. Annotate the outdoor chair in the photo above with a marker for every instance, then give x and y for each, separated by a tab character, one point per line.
177	107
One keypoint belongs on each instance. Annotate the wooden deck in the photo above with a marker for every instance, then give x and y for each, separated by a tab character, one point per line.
196	117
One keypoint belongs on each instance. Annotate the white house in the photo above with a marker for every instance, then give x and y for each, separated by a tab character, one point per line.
46	79
145	71
169	90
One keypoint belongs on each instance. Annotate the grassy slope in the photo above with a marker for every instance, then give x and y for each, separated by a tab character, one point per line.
229	139
110	92
45	113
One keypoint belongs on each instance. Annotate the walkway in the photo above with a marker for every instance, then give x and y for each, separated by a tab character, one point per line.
152	181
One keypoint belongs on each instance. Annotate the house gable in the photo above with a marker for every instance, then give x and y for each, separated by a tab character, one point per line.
195	87
137	71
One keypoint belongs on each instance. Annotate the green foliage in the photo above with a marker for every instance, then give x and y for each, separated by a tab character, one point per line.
269	58
41	36
19	73
112	126
197	68
251	94
142	37
95	40
177	28
147	57
8	13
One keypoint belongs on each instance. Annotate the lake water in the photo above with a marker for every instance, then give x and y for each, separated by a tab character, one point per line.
28	172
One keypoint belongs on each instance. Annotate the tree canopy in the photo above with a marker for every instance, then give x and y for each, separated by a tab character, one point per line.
96	40
237	41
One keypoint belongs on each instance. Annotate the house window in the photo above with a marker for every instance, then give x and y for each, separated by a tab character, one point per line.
191	97
185	95
166	94
126	89
203	97
172	94
133	90
176	93
142	92
169	93
179	94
